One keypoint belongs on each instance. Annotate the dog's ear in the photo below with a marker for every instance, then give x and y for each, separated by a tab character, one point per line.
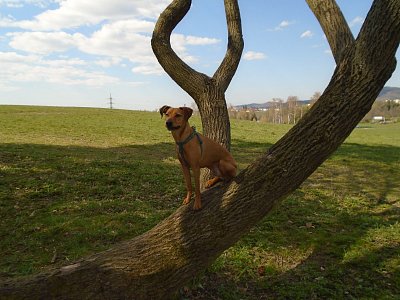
187	112
164	109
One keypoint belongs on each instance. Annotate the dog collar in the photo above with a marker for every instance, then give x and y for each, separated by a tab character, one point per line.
187	140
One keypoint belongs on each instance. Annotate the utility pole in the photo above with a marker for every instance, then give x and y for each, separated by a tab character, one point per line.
111	103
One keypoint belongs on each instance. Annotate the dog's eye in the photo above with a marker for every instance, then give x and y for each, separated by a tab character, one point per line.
167	115
178	115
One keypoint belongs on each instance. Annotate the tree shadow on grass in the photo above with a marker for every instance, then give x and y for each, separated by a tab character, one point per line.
246	152
63	202
336	237
308	250
73	201
341	251
368	171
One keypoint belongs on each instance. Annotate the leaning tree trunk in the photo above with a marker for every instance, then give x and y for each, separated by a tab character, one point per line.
155	264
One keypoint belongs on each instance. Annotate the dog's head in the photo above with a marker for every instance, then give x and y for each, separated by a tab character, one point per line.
175	117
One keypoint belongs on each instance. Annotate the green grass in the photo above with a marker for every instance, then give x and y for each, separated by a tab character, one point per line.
76	181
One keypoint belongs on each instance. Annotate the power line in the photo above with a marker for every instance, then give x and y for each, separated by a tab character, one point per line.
110	101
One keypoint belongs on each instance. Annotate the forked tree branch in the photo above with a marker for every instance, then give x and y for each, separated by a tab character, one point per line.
191	81
228	67
187	78
334	25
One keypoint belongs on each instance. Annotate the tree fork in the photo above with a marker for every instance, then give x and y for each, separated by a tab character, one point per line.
207	92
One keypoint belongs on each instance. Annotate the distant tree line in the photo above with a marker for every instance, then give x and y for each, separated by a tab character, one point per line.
291	110
278	112
388	109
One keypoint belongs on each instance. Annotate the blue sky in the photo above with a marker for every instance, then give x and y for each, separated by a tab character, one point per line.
76	52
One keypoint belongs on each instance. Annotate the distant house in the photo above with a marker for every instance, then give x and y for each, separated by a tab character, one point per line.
380	119
396	101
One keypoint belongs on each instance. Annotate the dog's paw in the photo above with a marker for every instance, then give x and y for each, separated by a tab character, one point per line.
212	182
197	205
186	201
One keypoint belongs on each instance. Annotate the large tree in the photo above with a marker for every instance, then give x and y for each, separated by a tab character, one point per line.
207	92
155	264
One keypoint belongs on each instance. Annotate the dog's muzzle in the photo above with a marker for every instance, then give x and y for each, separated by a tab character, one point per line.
170	126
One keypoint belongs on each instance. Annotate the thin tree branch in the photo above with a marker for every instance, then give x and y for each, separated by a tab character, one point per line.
187	78
334	25
228	66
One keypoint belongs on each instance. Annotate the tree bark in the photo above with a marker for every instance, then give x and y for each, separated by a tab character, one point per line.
215	122
155	264
334	25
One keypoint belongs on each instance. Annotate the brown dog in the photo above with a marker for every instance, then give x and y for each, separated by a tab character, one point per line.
196	151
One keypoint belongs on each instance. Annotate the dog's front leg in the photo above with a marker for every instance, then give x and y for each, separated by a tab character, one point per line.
188	182
197	199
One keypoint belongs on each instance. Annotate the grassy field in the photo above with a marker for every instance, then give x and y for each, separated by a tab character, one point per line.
75	181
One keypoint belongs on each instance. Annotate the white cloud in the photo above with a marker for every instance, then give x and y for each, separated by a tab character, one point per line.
22	3
18	68
115	42
42	42
356	21
6	21
10	3
307	34
108	62
112	43
76	13
150	69
123	40
64	62
124	34
200	41
179	43
11	57
282	25
251	55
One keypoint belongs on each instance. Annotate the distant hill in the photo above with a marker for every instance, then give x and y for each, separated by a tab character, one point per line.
255	105
266	105
389	93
